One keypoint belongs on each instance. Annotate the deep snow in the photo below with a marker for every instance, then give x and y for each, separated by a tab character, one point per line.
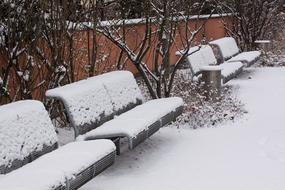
248	154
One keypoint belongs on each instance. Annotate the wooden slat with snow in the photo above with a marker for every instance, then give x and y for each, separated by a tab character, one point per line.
201	56
227	50
127	116
29	156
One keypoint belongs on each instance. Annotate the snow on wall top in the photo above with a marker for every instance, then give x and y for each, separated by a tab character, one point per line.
25	127
227	46
87	100
203	57
136	21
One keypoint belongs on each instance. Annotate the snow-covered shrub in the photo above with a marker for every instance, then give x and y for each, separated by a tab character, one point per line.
274	52
273	59
201	113
253	20
19	34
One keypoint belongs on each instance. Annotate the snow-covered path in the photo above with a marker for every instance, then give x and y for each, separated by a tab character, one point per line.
246	155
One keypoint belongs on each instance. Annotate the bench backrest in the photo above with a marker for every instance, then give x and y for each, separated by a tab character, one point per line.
200	56
91	102
26	132
227	47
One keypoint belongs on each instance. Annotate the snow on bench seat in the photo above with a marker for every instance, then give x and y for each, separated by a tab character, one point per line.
26	132
230	70
122	89
201	56
246	57
131	123
93	101
54	169
228	51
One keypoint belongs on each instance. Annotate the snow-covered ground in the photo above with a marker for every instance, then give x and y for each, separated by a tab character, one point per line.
246	155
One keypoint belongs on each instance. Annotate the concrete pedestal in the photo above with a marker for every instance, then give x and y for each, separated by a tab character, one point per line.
264	45
211	79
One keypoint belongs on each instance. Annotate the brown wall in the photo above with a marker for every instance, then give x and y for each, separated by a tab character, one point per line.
213	29
108	53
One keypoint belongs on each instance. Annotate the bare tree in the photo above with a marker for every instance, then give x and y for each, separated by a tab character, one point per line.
161	27
38	41
253	19
20	32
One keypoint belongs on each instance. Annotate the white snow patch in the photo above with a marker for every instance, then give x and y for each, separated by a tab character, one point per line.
211	68
113	23
122	88
229	50
87	100
262	41
138	119
247	57
55	168
203	58
25	127
229	68
227	46
248	154
200	57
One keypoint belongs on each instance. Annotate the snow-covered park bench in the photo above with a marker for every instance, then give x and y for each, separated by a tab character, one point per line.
203	56
109	106
227	50
30	158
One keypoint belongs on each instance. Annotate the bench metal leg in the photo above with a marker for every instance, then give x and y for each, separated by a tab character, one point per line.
117	144
89	173
153	128
138	139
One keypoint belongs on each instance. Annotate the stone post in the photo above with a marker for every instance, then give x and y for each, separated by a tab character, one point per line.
211	80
